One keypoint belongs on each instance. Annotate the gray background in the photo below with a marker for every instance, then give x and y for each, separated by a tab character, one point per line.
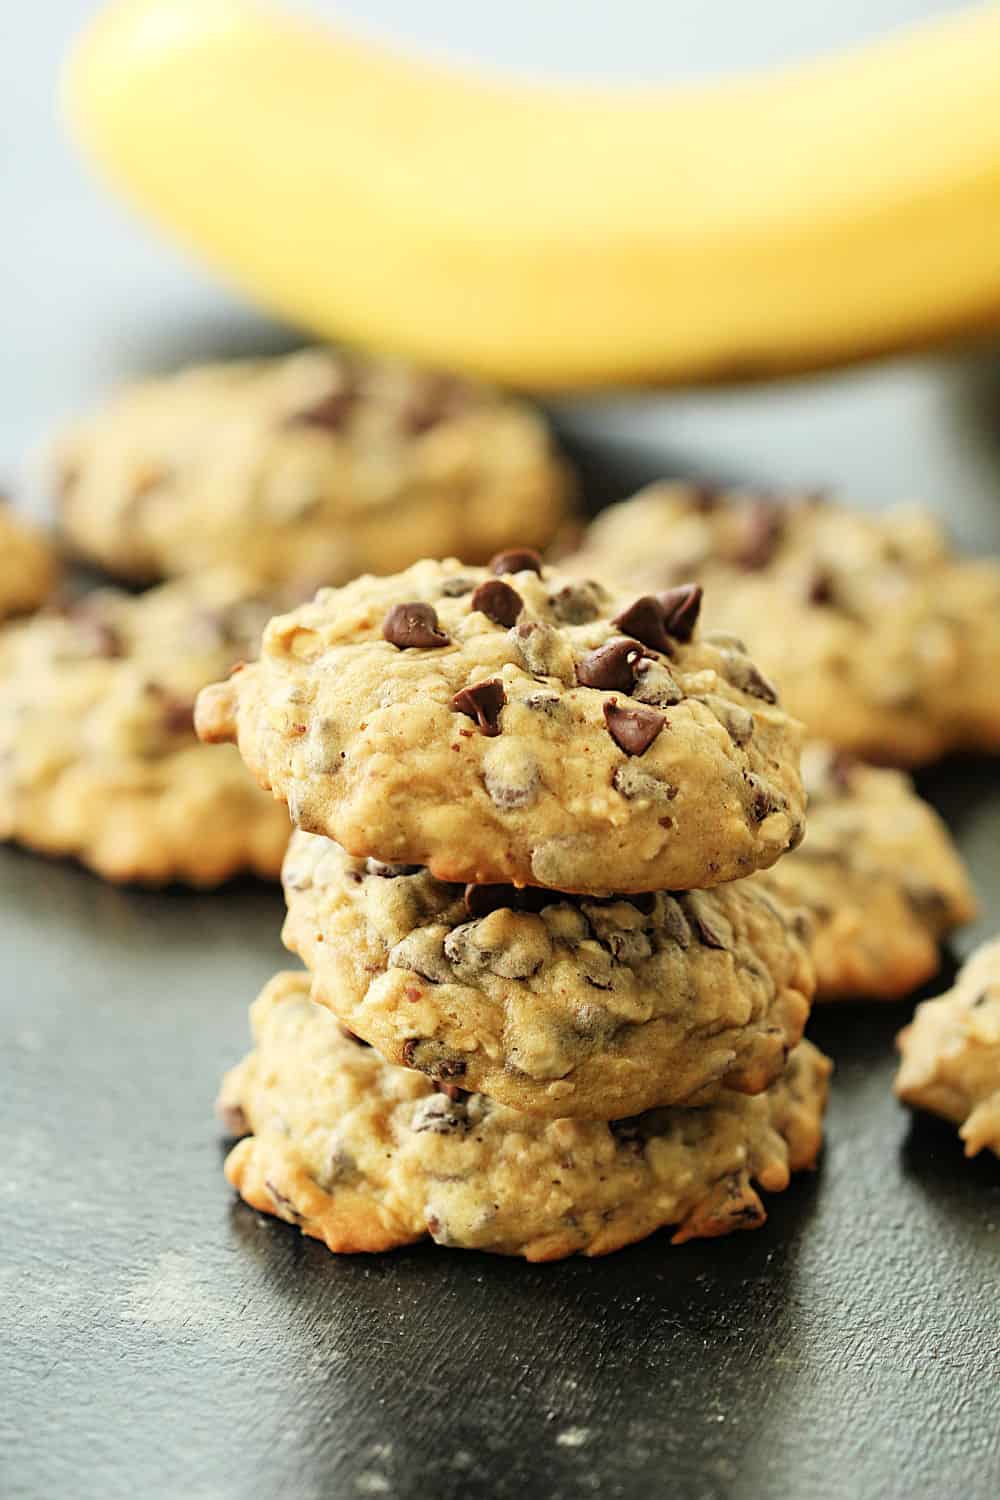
157	1339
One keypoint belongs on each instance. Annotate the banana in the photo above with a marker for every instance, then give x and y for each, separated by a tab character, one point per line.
561	236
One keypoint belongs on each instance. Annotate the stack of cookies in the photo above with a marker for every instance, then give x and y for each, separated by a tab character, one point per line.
549	1006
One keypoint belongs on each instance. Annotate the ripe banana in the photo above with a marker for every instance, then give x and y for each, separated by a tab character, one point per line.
559	236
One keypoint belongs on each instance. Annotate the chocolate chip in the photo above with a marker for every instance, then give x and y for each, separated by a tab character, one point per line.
482	702
178	715
331	413
283	1201
633	729
517	560
681	607
645	620
757	685
655	686
764	525
413	624
705	932
763	801
820	586
498	602
611	668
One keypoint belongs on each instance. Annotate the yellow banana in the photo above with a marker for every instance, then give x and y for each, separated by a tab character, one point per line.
553	235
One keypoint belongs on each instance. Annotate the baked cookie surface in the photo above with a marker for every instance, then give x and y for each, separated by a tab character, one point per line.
881	639
311	467
28	566
367	1156
951	1053
879	875
552	1004
98	755
513	726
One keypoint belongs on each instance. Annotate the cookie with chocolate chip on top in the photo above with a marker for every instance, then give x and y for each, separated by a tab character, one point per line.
550	1003
366	1156
98	755
542	732
884	641
951	1053
316	465
879	875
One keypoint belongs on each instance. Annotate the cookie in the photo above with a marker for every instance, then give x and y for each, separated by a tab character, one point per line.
555	1005
951	1053
884	642
507	725
98	755
367	1156
28	567
316	466
878	873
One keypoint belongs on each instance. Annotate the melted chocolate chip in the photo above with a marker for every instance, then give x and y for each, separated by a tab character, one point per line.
633	729
645	620
764	525
517	560
450	1067
413	624
763	801
457	586
820	587
756	684
681	607
704	930
331	413
498	602
482	702
611	668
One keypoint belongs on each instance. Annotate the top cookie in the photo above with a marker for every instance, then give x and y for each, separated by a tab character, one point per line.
28	568
317	466
881	639
511	725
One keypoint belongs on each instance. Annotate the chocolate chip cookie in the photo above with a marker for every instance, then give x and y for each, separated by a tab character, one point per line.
878	873
553	1004
367	1156
98	755
882	640
315	466
951	1053
28	568
510	725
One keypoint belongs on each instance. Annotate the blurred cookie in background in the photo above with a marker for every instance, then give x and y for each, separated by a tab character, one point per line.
29	568
879	875
317	465
951	1053
880	638
98	755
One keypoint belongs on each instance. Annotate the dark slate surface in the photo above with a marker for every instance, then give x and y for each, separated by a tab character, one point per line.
159	1340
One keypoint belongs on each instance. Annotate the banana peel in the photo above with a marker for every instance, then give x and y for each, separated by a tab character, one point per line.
558	236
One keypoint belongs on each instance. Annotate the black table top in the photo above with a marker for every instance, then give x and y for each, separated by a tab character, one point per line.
160	1339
